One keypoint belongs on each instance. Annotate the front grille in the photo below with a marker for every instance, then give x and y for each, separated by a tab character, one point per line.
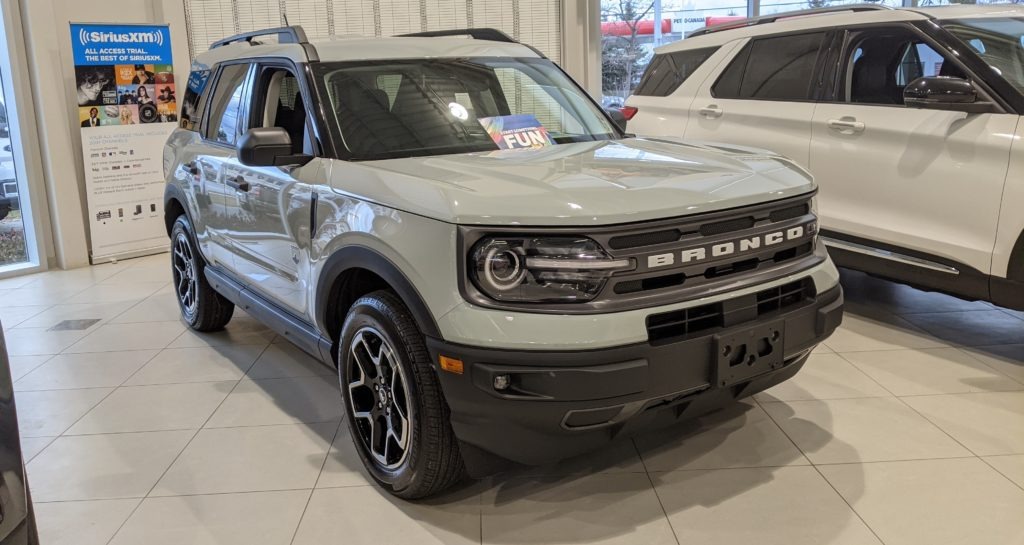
701	320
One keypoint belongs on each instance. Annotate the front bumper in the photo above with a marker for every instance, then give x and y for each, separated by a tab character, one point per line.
565	403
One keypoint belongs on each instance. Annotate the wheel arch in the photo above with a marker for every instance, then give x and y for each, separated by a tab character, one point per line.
174	206
354	271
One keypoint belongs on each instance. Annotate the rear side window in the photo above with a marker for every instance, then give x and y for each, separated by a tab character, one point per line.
779	68
225	107
667	71
191	105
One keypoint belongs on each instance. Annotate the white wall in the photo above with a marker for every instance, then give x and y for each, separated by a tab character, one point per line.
48	46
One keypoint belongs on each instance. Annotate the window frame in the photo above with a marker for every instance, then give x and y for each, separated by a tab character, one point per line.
242	107
939	39
257	95
816	79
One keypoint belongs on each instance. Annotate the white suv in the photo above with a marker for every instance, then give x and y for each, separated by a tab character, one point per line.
908	119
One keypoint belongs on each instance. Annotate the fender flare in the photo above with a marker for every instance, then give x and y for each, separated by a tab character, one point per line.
362	257
174	193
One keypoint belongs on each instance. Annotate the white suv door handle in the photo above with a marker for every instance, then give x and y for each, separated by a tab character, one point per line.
846	124
711	111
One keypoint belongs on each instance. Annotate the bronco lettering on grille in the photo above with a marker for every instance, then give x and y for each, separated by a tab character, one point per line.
735	247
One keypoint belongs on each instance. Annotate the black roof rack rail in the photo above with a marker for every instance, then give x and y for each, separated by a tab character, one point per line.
752	21
285	35
489	34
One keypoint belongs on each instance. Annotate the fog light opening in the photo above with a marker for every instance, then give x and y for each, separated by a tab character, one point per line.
502	382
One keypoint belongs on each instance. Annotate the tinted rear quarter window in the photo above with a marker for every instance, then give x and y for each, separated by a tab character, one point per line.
777	68
191	104
667	71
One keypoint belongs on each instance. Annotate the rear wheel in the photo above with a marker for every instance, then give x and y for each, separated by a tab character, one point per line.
4	211
395	409
201	306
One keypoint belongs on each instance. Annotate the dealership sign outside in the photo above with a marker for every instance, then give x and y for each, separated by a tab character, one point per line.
127	108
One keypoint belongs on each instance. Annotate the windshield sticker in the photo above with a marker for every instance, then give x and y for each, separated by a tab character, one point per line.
517	131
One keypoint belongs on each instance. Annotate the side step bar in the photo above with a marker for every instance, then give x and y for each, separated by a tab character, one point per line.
890	256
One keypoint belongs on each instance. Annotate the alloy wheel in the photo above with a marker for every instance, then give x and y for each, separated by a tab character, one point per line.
378	398
186	281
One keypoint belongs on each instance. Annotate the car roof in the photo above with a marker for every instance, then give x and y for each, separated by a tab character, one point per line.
358	48
798	21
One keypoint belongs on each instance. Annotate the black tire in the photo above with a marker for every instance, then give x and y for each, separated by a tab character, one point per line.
430	461
202	308
4	211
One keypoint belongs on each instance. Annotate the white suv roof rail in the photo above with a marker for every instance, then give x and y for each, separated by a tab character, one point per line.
490	34
752	21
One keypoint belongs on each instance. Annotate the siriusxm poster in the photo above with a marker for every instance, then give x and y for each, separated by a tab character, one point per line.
516	131
127	107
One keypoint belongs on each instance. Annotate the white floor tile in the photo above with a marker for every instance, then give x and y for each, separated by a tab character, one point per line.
120	465
205	364
258	518
370	515
11	317
114	293
1007	359
988	423
157	308
953	502
763	506
280	401
607	508
343	466
82	311
111	337
1011	466
81	522
861	334
97	370
741	435
32	446
36	294
287	360
51	412
241	330
39	341
249	460
861	430
930	371
23	365
154	408
825	376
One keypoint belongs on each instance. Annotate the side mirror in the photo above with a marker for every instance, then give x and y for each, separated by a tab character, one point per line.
944	93
617	117
268	147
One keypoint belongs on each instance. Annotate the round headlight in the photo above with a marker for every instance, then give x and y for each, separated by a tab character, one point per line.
503	268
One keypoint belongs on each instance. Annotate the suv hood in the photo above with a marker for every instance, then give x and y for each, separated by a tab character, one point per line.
587	183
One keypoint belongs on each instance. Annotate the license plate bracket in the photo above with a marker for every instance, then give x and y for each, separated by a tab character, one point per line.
749	352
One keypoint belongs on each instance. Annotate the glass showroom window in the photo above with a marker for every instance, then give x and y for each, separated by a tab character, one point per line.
18	248
629	35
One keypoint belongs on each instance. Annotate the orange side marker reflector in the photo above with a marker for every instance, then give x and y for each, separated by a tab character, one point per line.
451	365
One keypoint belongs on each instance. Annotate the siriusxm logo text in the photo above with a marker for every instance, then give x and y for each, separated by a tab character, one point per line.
86	37
723	249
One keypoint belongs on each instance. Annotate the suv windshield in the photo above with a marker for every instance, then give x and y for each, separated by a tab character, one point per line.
414	107
998	40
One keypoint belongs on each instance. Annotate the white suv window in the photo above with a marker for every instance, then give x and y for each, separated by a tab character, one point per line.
776	68
884	62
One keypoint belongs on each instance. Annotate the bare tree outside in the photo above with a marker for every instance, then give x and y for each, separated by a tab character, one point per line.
623	57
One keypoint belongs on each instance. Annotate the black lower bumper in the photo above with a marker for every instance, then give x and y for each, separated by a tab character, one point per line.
559	404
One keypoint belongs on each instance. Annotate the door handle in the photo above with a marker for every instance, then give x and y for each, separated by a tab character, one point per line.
711	111
846	124
239	184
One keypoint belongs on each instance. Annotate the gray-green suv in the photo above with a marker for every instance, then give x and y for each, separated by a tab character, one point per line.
484	304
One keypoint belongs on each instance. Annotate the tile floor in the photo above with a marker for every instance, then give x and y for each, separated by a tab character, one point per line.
907	427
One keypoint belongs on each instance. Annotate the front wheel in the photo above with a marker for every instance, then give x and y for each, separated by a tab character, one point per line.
395	409
201	306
